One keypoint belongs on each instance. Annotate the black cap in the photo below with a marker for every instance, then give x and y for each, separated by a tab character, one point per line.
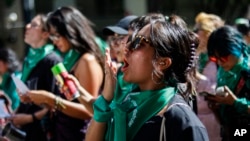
243	25
121	27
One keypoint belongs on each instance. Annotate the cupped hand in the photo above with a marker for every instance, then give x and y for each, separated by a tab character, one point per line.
75	80
65	89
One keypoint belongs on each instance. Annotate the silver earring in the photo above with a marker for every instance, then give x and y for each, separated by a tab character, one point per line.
162	63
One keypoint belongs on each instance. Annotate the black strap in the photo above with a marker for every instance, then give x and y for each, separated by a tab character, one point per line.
245	75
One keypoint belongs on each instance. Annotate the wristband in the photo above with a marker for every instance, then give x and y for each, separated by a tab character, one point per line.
34	117
102	111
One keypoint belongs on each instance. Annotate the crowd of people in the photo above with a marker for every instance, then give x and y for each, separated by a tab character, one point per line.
152	78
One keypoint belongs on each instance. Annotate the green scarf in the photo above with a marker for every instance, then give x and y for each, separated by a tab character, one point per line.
131	112
9	89
230	78
122	87
33	57
70	58
102	44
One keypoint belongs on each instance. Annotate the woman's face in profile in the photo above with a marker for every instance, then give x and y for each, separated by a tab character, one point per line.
138	65
34	32
59	41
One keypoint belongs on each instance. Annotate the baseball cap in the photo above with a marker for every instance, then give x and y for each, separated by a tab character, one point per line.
121	27
242	21
242	25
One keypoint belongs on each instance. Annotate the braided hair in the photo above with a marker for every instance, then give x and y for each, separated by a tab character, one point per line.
178	43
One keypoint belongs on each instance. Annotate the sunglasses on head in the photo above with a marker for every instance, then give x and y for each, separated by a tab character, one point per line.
136	41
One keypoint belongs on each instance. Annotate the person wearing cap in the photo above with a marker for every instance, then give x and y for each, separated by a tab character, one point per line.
243	26
117	36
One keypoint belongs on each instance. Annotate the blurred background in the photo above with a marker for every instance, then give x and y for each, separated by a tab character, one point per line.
15	14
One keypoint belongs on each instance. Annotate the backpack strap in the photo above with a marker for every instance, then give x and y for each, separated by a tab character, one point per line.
163	136
245	75
163	130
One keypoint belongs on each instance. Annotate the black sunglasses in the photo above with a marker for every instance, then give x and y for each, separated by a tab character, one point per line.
135	43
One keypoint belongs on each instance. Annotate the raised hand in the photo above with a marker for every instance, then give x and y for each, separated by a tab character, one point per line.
110	77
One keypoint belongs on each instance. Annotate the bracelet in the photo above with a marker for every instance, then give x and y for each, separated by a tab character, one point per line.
58	104
34	117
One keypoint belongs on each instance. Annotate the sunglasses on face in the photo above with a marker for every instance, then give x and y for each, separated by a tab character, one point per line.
222	59
136	42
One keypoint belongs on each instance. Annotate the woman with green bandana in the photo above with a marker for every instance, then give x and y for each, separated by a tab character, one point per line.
227	46
9	65
72	34
36	73
156	55
74	37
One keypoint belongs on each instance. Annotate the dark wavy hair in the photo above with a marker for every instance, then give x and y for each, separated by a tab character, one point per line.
171	38
76	28
139	22
8	56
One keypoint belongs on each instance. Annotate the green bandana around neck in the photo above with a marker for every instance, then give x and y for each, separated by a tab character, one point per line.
33	57
70	58
230	78
131	112
122	87
9	88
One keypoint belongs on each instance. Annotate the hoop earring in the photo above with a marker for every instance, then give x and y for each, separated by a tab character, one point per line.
155	81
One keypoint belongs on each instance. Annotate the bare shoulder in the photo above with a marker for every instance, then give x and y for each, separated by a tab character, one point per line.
87	58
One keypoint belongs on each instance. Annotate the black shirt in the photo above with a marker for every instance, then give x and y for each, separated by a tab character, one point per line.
40	78
181	124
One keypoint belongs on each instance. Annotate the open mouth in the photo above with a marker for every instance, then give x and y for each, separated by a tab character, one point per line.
125	65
